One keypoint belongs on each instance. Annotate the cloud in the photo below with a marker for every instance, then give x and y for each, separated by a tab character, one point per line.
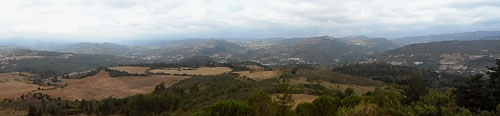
134	19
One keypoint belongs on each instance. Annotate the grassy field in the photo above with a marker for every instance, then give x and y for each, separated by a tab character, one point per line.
13	86
336	81
259	75
131	69
195	71
299	98
102	86
334	77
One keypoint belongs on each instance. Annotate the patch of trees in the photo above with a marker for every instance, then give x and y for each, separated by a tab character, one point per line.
234	66
481	92
79	75
400	74
117	73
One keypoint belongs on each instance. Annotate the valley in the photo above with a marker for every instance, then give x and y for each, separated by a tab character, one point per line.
197	73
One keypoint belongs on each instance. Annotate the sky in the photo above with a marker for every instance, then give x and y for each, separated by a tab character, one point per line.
98	20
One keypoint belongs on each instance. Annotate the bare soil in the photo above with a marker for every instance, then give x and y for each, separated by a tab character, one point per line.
12	86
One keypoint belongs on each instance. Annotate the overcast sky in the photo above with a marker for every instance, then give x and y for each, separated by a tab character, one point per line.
96	20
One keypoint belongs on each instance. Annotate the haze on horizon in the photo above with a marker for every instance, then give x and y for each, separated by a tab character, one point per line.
105	20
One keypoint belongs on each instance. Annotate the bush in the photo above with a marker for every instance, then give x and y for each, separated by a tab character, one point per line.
229	108
304	109
325	106
351	101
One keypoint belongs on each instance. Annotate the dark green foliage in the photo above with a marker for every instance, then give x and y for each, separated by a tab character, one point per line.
389	99
416	88
304	109
400	74
475	95
351	101
229	108
316	89
349	91
33	111
159	88
285	100
151	104
430	54
203	91
294	71
494	81
325	106
117	73
261	104
335	77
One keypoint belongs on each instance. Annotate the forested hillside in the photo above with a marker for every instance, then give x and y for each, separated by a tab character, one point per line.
454	56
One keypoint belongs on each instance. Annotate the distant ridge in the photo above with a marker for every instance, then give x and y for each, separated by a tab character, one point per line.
477	35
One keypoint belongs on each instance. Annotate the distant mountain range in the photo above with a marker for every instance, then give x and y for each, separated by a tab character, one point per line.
478	35
465	52
39	61
100	48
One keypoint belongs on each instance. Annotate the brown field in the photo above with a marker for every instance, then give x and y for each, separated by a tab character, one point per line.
12	112
196	71
299	98
131	69
258	75
102	86
13	86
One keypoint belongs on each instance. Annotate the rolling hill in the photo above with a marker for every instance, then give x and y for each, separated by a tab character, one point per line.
100	48
36	61
455	56
478	35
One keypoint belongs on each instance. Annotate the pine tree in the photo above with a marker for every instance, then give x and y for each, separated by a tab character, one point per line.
32	111
494	81
159	88
474	94
262	104
285	100
325	106
416	88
